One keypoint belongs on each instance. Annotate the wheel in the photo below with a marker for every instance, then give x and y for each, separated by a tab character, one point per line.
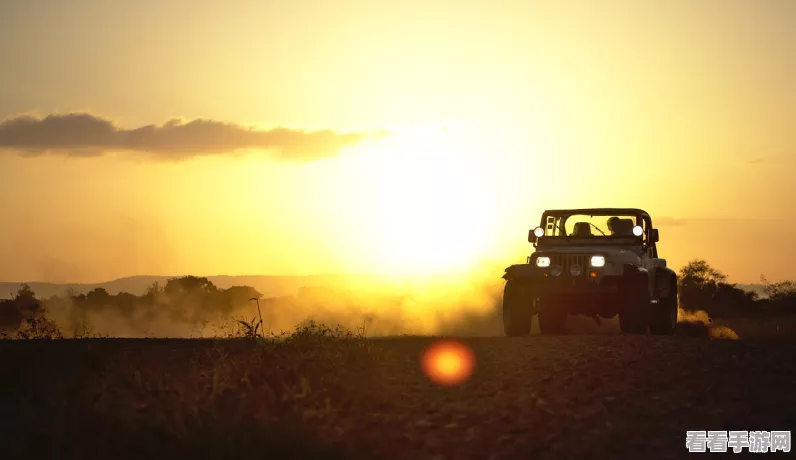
553	316
517	311
634	315
663	319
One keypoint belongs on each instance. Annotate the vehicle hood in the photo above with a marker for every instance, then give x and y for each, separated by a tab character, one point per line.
614	254
596	249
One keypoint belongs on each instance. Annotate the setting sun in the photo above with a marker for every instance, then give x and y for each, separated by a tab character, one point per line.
431	204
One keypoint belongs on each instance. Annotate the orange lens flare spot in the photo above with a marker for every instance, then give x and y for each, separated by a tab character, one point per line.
448	362
593	274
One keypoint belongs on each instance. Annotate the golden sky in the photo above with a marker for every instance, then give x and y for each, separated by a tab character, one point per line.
493	112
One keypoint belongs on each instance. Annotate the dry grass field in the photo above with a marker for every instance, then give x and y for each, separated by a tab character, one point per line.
322	393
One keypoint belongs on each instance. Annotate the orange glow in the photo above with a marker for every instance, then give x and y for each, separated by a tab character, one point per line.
593	274
487	129
448	362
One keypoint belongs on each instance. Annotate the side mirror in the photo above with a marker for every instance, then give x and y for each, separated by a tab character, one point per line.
531	236
654	236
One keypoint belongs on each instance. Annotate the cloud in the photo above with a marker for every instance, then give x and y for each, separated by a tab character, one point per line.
83	134
772	159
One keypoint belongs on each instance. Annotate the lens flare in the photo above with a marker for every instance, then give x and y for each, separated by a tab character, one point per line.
448	362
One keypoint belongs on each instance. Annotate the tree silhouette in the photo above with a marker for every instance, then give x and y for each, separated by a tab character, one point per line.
703	287
98	297
189	284
781	296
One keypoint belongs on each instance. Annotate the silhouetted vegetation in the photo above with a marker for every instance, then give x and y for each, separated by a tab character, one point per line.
24	316
703	287
186	300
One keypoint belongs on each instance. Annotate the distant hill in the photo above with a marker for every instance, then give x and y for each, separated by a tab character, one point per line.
269	286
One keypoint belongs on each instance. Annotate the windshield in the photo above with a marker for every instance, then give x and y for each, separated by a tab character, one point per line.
591	226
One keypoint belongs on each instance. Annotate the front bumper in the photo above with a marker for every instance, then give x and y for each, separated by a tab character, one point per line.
569	285
534	280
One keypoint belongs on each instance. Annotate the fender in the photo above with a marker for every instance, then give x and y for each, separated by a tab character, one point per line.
518	271
664	278
636	274
634	270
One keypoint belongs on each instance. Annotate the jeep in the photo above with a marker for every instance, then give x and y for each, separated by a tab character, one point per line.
598	262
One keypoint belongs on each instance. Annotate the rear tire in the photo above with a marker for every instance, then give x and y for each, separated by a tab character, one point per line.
517	311
664	314
634	316
553	316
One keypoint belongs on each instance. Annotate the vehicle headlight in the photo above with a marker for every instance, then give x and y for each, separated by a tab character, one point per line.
597	261
542	261
638	231
556	270
575	270
539	232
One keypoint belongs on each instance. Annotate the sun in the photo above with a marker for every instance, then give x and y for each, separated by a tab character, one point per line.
418	202
431	206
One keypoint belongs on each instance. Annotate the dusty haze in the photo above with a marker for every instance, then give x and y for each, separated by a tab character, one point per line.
446	306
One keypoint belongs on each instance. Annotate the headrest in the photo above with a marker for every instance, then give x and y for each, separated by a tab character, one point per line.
624	226
582	229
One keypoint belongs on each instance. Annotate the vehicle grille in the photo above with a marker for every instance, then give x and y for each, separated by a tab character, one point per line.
567	260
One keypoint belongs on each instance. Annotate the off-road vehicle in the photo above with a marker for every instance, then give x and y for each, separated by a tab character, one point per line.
598	262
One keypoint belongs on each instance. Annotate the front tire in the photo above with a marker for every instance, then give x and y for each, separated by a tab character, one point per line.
553	316
634	316
517	311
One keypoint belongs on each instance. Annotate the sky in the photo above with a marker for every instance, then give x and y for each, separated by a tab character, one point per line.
302	137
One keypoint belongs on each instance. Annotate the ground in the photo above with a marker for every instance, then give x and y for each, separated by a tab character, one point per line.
317	396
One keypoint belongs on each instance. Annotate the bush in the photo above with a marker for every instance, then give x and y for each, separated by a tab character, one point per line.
702	287
780	296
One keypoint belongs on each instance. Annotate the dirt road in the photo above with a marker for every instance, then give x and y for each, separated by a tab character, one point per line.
592	396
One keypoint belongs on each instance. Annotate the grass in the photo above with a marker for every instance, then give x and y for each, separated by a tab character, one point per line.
203	398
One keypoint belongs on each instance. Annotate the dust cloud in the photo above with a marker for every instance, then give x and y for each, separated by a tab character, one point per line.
697	323
439	305
446	306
